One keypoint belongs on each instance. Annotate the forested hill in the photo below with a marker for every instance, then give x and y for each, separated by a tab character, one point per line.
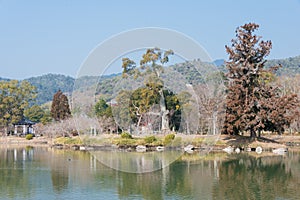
47	85
290	66
4	79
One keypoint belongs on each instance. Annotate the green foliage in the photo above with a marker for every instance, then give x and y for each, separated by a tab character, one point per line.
151	63
47	85
168	139
174	105
125	142
126	135
107	84
14	98
151	66
150	139
143	99
60	109
102	109
29	137
35	113
68	141
46	118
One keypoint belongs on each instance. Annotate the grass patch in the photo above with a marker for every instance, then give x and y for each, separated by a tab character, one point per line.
94	141
125	142
68	141
177	142
168	139
126	135
150	139
220	143
197	141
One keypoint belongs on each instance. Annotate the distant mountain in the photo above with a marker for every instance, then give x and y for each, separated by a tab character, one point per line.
290	66
47	85
4	79
219	62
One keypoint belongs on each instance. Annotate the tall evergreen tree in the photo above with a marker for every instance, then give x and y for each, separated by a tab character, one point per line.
60	109
253	104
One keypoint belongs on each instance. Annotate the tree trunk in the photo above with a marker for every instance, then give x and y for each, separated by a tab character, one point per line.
214	120
252	134
139	122
164	113
188	128
5	131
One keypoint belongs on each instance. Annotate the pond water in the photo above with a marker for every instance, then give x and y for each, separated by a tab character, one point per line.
45	173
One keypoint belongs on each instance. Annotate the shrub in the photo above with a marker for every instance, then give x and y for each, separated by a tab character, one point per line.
126	135
169	138
150	139
29	136
177	142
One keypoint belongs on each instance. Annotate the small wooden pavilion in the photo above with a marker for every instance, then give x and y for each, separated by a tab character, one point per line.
24	127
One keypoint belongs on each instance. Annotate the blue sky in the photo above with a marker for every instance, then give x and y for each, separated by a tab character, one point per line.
39	37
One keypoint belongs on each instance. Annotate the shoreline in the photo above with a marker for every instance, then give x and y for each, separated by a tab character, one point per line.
267	143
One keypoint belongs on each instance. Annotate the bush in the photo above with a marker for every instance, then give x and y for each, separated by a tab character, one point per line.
126	135
29	136
150	139
124	142
177	142
68	140
169	138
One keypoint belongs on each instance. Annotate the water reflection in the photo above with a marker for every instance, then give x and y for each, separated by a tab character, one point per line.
44	173
136	162
257	178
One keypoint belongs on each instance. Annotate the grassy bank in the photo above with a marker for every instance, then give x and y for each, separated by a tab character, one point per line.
125	140
170	140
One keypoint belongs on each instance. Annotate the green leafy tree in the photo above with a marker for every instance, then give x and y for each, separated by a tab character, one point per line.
151	65
35	113
123	116
60	109
47	85
102	109
14	98
142	106
46	117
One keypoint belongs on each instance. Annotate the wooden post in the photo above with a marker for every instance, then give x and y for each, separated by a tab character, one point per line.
24	129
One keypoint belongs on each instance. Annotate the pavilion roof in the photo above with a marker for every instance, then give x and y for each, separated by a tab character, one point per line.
25	121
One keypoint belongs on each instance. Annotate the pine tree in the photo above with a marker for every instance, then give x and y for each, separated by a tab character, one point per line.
60	109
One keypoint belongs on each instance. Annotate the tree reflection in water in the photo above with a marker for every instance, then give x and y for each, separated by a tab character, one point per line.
32	173
248	177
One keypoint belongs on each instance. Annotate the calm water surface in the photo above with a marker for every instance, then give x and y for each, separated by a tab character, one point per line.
45	173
